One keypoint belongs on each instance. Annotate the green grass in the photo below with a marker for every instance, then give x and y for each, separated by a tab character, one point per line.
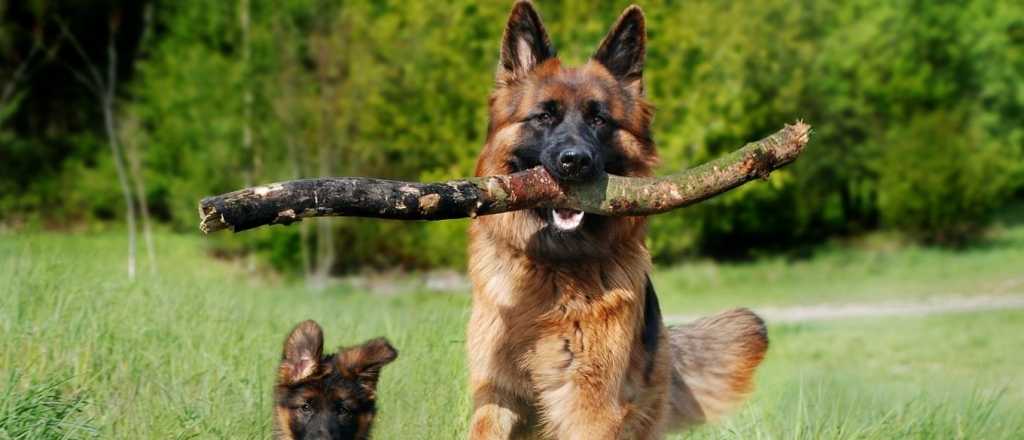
954	376
41	410
871	270
192	353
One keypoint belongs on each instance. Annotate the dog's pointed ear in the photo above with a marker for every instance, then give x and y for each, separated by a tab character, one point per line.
302	351
623	49
364	362
524	45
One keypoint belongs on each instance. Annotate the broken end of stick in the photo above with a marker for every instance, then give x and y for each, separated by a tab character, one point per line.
799	133
212	220
775	151
785	146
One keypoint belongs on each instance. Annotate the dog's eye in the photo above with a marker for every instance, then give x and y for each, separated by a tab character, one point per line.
544	118
597	121
306	408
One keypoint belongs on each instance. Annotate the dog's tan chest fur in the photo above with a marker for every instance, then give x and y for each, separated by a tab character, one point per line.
561	338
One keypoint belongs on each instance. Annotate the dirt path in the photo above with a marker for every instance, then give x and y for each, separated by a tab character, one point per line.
923	307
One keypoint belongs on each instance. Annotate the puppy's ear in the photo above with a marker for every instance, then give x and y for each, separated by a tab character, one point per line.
524	45
623	49
363	362
301	355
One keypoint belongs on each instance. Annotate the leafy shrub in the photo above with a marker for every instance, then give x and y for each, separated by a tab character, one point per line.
398	90
940	181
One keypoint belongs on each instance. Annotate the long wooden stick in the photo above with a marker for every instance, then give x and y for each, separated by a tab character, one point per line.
291	201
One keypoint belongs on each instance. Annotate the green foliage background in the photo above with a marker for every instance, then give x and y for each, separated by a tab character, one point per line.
918	111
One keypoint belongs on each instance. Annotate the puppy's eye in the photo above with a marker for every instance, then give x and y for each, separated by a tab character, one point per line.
306	408
544	118
597	121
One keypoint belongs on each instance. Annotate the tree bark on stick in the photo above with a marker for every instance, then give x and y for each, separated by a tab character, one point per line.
291	201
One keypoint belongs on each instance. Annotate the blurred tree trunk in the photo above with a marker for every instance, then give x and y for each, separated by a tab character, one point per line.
247	94
330	43
130	134
110	124
105	90
327	78
307	268
251	157
289	111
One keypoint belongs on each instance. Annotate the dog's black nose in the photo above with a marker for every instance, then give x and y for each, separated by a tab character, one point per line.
574	162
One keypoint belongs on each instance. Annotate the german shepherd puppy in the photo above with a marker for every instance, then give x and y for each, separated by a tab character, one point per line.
566	338
329	396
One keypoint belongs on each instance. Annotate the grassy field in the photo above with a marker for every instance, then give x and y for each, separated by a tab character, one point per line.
873	269
191	353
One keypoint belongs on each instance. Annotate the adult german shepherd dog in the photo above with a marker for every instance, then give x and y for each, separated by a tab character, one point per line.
328	397
566	339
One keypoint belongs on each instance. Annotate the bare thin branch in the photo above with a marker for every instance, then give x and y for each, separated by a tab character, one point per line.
106	94
96	81
18	74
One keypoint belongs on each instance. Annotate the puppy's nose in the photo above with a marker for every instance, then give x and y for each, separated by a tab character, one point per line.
575	162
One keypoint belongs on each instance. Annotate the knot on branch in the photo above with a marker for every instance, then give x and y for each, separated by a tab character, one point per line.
759	163
286	217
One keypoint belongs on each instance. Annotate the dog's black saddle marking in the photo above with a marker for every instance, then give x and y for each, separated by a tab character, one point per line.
651	332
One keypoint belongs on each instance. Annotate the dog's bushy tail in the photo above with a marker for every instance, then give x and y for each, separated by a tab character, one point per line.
713	364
